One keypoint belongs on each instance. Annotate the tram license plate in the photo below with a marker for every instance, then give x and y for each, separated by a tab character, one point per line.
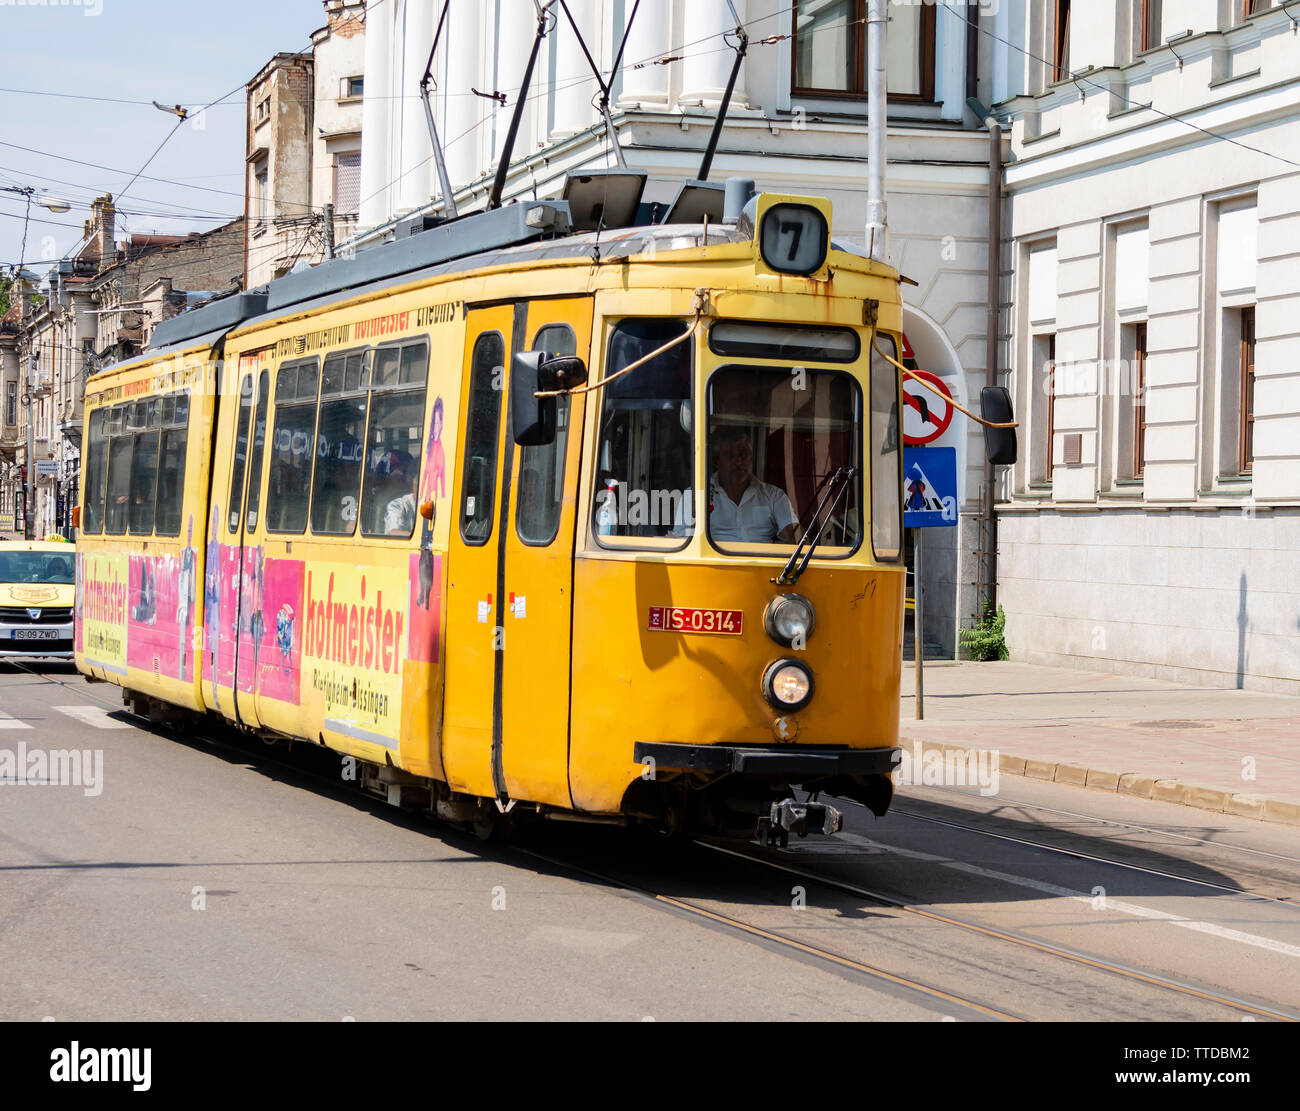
679	619
36	634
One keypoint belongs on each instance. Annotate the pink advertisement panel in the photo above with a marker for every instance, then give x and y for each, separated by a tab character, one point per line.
425	614
160	614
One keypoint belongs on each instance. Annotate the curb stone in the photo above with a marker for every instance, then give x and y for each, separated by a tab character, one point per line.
1214	799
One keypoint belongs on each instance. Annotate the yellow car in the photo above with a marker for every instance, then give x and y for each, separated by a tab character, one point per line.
37	592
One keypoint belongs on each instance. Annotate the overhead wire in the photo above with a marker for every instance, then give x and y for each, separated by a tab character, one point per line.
672	54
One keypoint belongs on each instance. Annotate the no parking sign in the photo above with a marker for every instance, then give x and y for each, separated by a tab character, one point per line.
926	415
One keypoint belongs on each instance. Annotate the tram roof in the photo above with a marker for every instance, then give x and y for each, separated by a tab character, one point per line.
428	254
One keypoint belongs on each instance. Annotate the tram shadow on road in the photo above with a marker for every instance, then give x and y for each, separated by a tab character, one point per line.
924	852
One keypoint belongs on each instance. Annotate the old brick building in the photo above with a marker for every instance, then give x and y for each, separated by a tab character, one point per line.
95	306
304	148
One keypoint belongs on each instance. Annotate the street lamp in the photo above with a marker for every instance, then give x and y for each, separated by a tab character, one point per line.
56	205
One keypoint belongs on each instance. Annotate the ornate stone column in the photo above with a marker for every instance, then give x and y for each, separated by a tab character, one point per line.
648	87
375	207
708	64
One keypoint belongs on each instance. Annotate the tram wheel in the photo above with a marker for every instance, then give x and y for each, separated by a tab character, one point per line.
493	827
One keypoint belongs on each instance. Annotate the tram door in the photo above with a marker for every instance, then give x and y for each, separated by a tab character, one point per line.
471	714
249	620
538	581
509	595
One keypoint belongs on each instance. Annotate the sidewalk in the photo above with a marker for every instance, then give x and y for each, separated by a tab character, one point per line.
1191	745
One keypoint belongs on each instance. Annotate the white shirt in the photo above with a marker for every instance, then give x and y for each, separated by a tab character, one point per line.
399	515
764	510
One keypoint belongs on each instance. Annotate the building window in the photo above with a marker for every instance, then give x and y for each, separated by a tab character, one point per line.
1149	30
1049	388
347	182
353	87
830	49
262	111
1061	41
1139	398
1246	438
11	403
1230	414
260	192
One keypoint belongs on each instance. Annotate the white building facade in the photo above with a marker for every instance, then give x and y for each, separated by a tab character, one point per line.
797	124
1153	320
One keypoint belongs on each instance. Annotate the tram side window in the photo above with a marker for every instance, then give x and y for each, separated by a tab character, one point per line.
886	458
92	511
259	444
340	444
289	490
479	478
393	443
119	472
541	466
143	419
171	464
645	457
236	502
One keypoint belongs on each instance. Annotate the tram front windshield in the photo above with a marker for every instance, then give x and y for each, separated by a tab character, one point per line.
775	436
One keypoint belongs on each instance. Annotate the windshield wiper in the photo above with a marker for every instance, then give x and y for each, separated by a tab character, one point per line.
839	483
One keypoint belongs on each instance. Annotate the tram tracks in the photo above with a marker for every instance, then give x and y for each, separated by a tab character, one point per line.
1080	854
781	940
1089	960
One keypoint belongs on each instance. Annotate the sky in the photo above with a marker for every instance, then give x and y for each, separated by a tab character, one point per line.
173	51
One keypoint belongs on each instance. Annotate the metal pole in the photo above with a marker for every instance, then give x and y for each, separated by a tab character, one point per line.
329	231
991	346
918	628
706	163
29	522
499	182
444	182
877	121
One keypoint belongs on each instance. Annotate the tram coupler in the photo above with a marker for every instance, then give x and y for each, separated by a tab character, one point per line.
801	818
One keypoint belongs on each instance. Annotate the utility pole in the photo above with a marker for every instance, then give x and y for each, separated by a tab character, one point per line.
329	231
877	122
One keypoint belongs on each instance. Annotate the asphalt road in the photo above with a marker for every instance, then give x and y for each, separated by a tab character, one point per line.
232	880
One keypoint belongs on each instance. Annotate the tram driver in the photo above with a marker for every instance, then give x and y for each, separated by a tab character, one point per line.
741	507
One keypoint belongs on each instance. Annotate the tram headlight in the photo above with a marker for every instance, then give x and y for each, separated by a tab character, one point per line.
790	620
788	685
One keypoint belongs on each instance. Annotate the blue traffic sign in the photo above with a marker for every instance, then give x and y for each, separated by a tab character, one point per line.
929	487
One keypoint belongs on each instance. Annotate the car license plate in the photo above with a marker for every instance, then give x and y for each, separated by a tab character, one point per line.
36	634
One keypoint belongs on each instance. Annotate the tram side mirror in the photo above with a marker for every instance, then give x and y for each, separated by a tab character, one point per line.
999	443
532	417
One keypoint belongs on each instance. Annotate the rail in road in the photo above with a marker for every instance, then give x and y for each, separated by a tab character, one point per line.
963	932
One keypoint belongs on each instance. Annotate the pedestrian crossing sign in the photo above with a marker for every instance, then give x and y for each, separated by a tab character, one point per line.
929	487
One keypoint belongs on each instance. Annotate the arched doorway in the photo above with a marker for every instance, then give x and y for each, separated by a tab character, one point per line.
948	551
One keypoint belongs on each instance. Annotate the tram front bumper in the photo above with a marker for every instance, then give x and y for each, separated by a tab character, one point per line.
793	762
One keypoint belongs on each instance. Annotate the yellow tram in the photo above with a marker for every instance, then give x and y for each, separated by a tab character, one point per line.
525	517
